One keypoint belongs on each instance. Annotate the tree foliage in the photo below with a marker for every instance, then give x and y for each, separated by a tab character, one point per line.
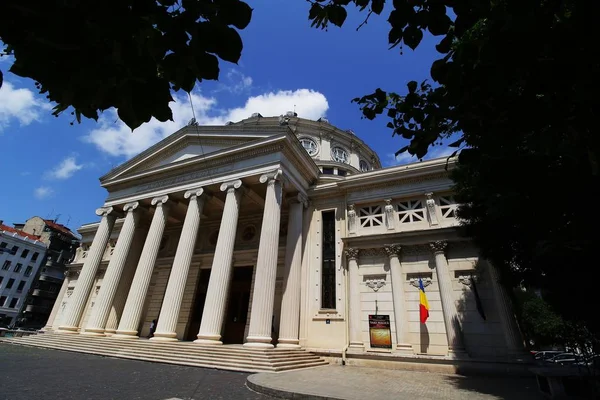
513	88
127	54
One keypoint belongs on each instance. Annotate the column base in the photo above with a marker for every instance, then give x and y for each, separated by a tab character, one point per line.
93	332
126	335
110	332
68	329
208	342
263	342
404	348
288	343
458	353
164	337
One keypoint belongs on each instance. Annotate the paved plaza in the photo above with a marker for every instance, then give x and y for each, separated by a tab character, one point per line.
29	373
32	373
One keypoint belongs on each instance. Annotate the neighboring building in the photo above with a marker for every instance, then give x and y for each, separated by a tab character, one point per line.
287	232
61	243
21	256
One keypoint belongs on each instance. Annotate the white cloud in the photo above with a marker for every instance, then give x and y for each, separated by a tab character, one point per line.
19	105
65	169
406	158
116	139
43	192
237	82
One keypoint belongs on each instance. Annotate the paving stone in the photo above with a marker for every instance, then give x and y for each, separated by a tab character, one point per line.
359	383
31	373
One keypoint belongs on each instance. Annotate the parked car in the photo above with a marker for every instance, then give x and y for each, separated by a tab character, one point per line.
565	359
546	354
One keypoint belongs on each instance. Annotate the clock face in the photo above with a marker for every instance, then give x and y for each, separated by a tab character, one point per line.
364	166
340	155
309	145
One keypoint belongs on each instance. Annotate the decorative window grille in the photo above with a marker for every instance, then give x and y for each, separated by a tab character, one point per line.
329	256
370	216
448	207
411	211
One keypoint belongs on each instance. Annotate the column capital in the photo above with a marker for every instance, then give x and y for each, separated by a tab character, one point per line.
190	194
439	246
392	250
271	177
160	201
130	207
106	211
299	198
231	186
351	253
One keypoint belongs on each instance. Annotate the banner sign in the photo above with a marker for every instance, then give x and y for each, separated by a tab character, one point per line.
380	332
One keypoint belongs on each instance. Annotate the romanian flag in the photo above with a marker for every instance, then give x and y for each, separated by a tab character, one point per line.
423	303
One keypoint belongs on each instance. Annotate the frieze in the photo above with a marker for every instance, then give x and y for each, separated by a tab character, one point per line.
373	252
183	178
417	249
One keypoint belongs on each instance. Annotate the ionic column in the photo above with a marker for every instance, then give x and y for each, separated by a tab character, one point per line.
112	276
263	295
57	303
220	274
132	312
290	303
398	296
512	335
76	305
354	303
169	312
453	329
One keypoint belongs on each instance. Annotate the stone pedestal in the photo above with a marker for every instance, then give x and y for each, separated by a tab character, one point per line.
110	282
57	304
220	275
130	320
263	296
399	299
169	312
512	335
290	303
356	342
76	305
453	330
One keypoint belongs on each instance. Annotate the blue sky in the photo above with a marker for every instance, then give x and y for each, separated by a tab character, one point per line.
51	169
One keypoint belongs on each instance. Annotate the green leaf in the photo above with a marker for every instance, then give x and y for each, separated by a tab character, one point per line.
377	6
390	125
235	12
457	143
445	44
314	11
412	36
208	66
438	70
402	150
337	15
412	86
394	36
1	78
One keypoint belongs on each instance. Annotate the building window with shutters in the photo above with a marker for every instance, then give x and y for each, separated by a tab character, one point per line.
328	258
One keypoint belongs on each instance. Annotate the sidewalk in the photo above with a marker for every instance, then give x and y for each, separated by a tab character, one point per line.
359	383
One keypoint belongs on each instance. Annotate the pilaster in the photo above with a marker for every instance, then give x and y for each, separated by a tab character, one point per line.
399	298
354	309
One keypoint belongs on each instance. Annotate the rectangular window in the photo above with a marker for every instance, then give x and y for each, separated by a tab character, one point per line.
14	250
21	286
35	256
18	267
10	283
28	270
13	302
1	279
24	253
327	171
6	265
3	245
2	301
328	267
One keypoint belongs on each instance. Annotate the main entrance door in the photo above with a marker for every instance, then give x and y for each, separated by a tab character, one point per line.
237	306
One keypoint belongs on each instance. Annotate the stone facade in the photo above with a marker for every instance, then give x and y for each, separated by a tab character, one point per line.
267	236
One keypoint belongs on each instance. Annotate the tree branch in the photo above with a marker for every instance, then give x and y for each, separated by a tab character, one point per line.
365	21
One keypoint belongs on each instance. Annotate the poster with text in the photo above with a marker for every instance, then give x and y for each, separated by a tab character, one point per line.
379	331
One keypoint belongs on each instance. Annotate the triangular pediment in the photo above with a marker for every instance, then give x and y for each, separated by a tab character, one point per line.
189	142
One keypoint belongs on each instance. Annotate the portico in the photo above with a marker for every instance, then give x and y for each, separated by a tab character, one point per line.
283	233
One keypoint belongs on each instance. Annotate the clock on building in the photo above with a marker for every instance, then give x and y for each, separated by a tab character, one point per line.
340	155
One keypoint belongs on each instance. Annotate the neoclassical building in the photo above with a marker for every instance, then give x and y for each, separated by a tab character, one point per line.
283	232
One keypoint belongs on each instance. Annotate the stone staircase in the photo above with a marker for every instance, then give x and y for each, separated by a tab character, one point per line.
227	357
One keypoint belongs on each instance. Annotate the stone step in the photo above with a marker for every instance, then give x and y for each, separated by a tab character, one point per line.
180	353
182	347
183	353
